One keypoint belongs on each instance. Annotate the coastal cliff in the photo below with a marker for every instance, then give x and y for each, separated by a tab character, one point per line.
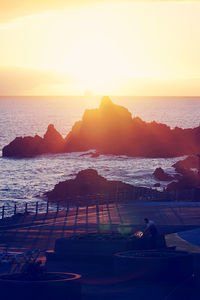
110	129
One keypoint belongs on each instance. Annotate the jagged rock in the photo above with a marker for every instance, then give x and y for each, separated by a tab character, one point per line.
159	174
53	137
52	142
106	129
110	129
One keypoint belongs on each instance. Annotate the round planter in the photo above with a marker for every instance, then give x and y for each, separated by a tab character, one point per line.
64	286
154	265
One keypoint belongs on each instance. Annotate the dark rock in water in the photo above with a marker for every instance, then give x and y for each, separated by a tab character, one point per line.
157	184
110	129
92	154
161	175
89	187
187	177
87	154
185	165
23	147
186	182
95	155
87	182
32	146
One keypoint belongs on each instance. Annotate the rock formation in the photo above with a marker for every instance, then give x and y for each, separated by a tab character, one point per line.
187	164
188	177
28	146
87	182
110	129
160	175
186	182
89	187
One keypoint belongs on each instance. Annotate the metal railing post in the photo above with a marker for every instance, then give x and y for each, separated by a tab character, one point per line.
47	208
86	218
26	208
97	215
15	209
57	208
3	212
36	209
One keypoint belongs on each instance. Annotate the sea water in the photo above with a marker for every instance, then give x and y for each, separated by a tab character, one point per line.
22	180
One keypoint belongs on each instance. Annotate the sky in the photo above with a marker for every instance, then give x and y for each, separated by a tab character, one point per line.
140	48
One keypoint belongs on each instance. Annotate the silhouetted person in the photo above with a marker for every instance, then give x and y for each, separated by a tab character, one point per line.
152	230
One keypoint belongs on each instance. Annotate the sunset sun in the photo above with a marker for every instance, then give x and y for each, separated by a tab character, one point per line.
108	48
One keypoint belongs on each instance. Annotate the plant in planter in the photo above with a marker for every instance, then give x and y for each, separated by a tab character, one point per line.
35	283
34	271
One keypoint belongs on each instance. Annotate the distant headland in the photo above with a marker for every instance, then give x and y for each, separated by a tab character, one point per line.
110	129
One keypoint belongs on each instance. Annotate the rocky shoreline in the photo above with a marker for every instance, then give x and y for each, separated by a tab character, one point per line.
89	188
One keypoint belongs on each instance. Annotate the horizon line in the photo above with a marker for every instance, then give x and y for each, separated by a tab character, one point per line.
138	96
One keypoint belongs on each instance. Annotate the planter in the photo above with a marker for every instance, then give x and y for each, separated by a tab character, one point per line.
96	246
62	286
154	265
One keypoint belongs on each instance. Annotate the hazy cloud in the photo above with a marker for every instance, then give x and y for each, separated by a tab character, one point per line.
11	9
18	81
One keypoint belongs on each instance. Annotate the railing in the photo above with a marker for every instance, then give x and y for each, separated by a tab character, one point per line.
134	195
33	208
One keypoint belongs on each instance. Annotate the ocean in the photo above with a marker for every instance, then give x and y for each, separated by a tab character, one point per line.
22	180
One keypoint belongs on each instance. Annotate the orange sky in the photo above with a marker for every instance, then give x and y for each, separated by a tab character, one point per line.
108	47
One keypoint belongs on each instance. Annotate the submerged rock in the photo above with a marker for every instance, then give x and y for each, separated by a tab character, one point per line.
161	175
